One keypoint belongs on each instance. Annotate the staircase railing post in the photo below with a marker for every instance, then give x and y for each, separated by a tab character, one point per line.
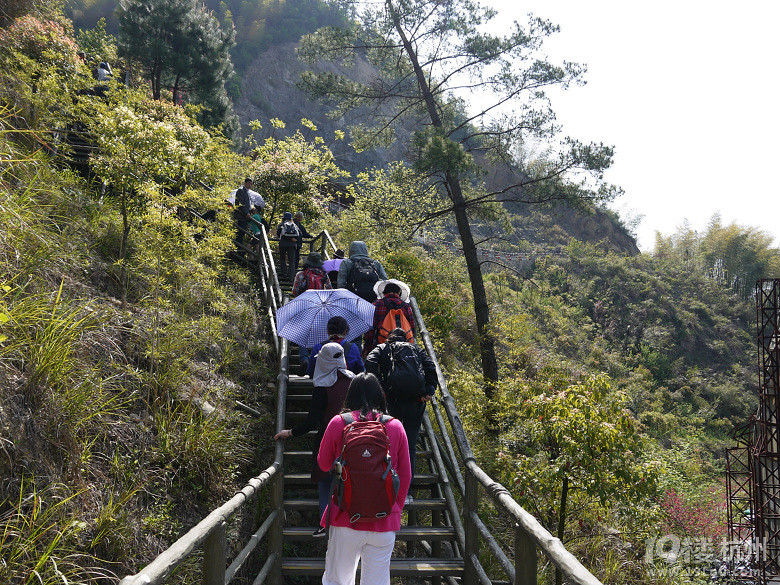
525	558
470	504
275	535
215	557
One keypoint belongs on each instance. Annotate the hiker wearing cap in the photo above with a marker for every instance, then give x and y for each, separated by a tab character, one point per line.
331	382
312	277
331	267
288	235
392	297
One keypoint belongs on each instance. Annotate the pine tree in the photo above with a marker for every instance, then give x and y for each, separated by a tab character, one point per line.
180	46
425	53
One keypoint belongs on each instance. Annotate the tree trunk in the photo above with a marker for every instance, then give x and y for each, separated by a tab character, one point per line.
176	89
156	80
487	347
562	523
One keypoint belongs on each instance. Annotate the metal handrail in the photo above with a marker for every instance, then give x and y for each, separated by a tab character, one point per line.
529	533
323	247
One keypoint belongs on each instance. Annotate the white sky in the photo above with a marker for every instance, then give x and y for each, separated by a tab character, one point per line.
686	91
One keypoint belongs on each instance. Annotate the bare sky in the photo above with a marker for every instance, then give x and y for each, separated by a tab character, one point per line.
686	91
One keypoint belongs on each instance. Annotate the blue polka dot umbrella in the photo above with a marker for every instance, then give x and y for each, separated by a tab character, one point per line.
304	319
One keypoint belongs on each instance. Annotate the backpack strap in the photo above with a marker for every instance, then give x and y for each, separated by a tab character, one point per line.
347	418
347	345
385	418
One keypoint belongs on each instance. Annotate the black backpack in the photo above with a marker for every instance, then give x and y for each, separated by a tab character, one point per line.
361	279
405	380
243	203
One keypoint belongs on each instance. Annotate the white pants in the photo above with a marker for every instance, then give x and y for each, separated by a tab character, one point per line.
346	547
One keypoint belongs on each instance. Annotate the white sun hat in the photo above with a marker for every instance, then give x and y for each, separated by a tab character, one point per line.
379	288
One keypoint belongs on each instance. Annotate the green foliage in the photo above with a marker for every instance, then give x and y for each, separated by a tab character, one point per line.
435	152
259	24
44	41
290	172
200	449
98	43
389	208
150	150
580	433
735	257
444	307
145	142
39	68
119	404
37	540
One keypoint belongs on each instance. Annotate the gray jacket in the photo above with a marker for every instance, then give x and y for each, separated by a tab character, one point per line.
358	250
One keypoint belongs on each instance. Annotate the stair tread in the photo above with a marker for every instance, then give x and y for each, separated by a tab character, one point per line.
304	453
406	533
398	566
417	504
305	477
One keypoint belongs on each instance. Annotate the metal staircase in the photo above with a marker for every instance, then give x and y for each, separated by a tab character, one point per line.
443	538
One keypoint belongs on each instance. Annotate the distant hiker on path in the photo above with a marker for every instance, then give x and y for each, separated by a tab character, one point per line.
311	277
242	211
331	267
288	235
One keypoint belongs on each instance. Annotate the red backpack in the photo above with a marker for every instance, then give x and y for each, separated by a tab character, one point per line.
315	279
367	483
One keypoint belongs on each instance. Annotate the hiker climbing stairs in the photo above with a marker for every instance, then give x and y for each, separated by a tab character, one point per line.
446	534
423	534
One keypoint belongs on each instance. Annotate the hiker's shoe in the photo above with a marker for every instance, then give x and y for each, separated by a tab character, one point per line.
319	533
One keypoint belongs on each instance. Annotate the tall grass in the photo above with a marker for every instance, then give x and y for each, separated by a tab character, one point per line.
38	543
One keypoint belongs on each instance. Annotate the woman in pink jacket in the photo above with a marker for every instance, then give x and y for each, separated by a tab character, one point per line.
370	541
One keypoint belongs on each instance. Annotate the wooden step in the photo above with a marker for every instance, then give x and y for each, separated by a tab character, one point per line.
297	455
305	478
298	399
416	533
298	382
312	504
399	567
295	414
426	453
425	479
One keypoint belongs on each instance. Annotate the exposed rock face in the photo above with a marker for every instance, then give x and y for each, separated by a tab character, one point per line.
269	91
